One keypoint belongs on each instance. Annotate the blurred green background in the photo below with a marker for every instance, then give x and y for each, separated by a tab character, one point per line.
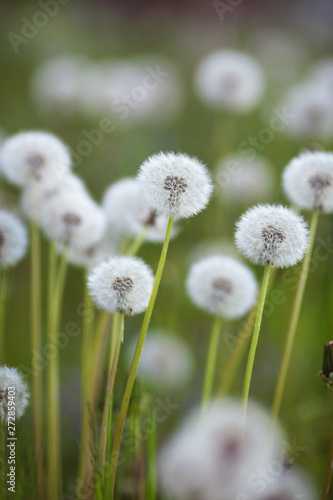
182	33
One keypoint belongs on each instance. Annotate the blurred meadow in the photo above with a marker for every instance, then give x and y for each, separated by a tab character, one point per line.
288	40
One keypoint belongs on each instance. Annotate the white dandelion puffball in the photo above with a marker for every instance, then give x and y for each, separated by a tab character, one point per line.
122	284
288	485
12	389
308	181
231	80
212	457
127	215
244	181
166	361
72	219
222	286
174	184
36	194
310	109
90	257
32	156
13	239
272	234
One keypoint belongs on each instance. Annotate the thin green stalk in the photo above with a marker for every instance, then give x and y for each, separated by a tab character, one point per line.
3	294
110	386
136	358
87	333
232	366
56	287
36	344
294	322
151	481
135	246
328	475
255	337
211	362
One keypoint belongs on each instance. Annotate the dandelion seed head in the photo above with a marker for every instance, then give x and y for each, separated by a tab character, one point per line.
127	214
166	362
222	286
272	234
122	284
11	377
231	80
212	457
308	181
174	184
72	219
33	156
293	485
13	239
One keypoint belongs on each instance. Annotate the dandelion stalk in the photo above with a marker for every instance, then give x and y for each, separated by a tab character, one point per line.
255	337
328	474
151	483
294	321
87	332
55	293
211	361
36	342
136	358
135	246
3	294
110	386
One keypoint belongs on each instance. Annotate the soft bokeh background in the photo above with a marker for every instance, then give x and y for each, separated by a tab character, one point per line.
286	38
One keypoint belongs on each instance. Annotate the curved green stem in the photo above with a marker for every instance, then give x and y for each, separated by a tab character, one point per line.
211	361
255	337
294	322
136	359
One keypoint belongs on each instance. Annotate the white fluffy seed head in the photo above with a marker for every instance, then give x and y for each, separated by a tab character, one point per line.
127	214
33	156
122	284
240	180
272	234
166	362
13	239
231	80
92	256
222	286
12	384
174	184
72	219
287	485
308	181
212	457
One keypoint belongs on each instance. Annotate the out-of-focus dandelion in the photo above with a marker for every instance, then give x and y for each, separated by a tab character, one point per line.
291	485
166	361
32	156
231	80
271	236
14	394
244	181
13	239
212	456
226	288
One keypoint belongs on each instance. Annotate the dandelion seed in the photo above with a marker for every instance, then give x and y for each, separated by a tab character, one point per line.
230	79
272	234
308	181
174	184
222	286
13	239
33	156
127	215
13	385
123	284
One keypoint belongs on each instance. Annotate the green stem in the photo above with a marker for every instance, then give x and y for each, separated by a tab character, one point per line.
211	361
294	322
136	358
56	288
87	332
109	390
135	246
255	337
230	370
328	474
151	482
3	296
36	344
